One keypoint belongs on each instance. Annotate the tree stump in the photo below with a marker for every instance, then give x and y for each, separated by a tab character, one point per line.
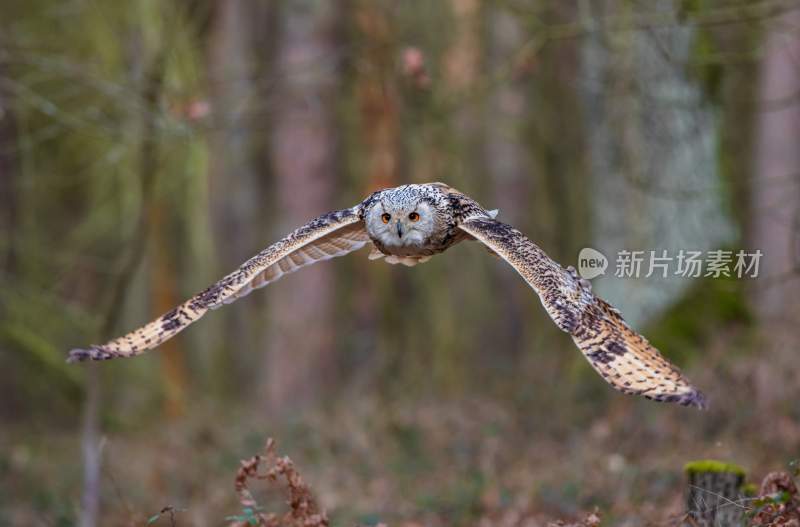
714	498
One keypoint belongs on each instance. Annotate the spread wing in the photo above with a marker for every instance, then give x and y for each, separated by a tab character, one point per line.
333	234
622	356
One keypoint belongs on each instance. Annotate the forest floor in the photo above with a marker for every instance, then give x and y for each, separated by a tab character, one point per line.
470	461
413	457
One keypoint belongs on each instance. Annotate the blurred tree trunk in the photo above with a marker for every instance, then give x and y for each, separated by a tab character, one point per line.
462	62
236	189
300	356
557	119
9	198
373	148
776	175
557	211
508	163
159	226
456	157
90	448
735	86
377	102
164	293
531	118
8	178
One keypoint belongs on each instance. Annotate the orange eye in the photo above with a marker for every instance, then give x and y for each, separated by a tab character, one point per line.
385	217
413	216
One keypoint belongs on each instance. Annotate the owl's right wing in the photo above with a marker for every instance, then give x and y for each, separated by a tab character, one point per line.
623	357
333	234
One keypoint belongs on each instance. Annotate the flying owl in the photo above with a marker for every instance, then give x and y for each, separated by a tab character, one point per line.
408	225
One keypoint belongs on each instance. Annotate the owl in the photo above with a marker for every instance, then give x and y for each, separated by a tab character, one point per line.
408	225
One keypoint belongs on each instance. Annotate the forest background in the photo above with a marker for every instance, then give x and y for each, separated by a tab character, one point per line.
149	147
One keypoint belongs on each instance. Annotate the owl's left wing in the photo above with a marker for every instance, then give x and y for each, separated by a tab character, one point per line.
333	234
623	357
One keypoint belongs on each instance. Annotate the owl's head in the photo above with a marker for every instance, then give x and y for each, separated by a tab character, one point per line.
403	217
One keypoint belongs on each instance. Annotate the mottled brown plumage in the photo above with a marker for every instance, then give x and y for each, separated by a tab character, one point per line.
622	356
408	225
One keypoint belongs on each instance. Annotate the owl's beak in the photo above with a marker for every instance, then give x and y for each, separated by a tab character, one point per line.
399	229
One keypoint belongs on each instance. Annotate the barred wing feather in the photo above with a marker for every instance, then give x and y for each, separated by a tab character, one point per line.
333	234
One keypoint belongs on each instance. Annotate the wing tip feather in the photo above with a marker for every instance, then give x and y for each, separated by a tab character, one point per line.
91	353
691	398
695	398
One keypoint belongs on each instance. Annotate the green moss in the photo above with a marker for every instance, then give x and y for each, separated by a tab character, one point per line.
691	322
750	489
702	65
711	465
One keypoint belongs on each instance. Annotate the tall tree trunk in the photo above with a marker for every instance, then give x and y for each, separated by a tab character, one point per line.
374	149
164	294
507	161
377	102
302	144
450	154
775	211
8	179
776	175
236	189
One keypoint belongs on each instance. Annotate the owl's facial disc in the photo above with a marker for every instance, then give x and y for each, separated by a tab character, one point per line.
406	224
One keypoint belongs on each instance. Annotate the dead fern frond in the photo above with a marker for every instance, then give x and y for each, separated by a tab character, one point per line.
778	502
303	509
